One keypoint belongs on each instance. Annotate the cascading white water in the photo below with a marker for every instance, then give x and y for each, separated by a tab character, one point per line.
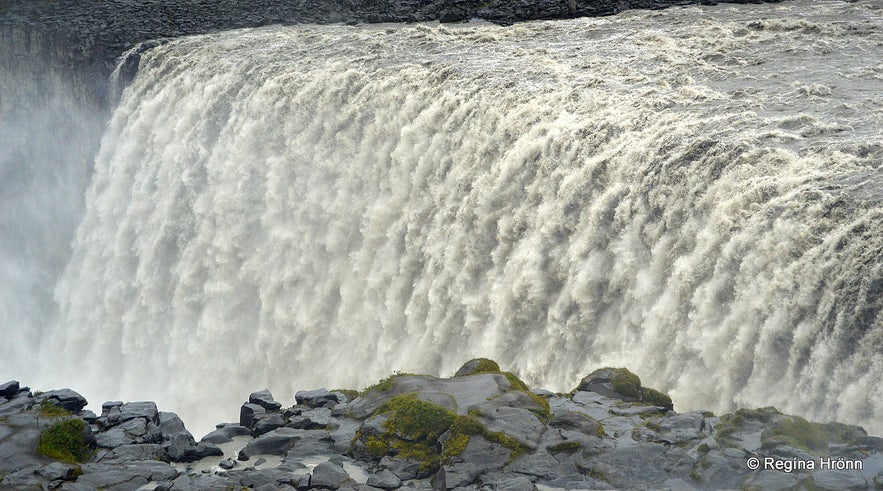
694	194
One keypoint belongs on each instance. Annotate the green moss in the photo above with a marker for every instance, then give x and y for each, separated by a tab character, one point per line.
415	419
568	446
625	382
732	423
411	431
796	432
655	398
481	365
349	393
51	409
65	440
545	413
376	447
381	386
385	384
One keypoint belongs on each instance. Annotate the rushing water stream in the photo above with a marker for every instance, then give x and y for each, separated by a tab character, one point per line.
696	194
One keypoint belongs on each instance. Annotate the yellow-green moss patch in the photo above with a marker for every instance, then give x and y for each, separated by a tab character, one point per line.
796	432
65	440
625	382
51	409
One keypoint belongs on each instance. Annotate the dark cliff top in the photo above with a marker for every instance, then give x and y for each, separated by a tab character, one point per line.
105	28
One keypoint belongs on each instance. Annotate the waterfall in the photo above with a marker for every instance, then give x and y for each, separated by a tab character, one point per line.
694	194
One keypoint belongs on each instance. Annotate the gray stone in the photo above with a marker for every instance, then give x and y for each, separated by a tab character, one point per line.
66	398
384	479
266	423
770	480
830	480
264	399
9	389
57	471
248	414
319	398
576	421
313	419
87	416
225	434
311	443
19	436
140	409
126	453
328	475
405	469
183	449
276	442
506	482
517	423
124	433
171	426
132	475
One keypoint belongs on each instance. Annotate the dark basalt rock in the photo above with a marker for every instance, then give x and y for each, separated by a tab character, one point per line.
249	413
9	389
264	399
478	431
65	398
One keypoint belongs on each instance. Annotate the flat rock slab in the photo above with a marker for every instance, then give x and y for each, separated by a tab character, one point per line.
129	476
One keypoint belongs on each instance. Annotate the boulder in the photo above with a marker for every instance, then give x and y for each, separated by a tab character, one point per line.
264	399
275	442
9	389
384	479
171	426
124	433
248	414
328	475
140	409
476	366
267	422
226	433
319	398
184	449
66	398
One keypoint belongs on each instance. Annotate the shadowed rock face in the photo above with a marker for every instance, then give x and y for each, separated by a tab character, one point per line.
85	38
473	432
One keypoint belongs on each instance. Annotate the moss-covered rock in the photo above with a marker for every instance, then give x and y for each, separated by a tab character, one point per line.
621	383
477	366
796	432
655	398
66	440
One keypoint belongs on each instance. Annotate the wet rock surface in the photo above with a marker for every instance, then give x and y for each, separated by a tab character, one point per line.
484	430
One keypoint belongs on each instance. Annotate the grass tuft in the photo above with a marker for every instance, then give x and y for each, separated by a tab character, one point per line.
65	440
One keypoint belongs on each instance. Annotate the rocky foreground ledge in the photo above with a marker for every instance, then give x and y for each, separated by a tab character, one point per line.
481	429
